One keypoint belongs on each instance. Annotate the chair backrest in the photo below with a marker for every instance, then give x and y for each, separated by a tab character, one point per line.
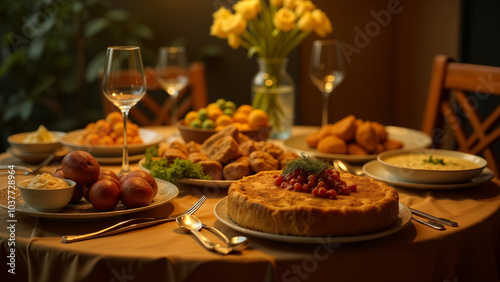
155	109
457	98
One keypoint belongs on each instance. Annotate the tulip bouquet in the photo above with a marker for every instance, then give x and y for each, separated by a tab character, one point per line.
271	30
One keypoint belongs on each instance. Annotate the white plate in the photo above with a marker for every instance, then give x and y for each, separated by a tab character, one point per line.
411	139
195	182
149	138
84	210
376	170
404	219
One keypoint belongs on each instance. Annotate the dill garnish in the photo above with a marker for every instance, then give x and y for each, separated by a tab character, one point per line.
436	161
306	163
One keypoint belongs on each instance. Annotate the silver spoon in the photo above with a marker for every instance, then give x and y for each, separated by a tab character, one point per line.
343	166
236	243
193	224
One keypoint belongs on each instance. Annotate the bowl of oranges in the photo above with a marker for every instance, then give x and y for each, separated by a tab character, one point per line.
198	125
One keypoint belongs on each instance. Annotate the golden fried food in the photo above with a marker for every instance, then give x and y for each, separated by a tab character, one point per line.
180	146
391	144
366	137
224	150
109	131
171	154
380	131
198	157
332	145
345	128
312	139
355	149
192	147
325	130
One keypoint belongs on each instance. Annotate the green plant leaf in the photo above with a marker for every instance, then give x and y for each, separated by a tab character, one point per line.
94	66
94	26
36	48
143	31
117	15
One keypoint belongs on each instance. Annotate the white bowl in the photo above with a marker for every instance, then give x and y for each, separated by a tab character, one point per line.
46	200
17	142
438	174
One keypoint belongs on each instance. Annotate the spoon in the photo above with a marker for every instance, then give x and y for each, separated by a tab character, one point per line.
191	223
343	166
236	243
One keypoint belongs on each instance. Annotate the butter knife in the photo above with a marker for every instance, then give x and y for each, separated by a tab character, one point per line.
431	217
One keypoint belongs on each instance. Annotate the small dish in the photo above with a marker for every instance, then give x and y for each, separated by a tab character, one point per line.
37	158
431	166
46	200
17	141
200	135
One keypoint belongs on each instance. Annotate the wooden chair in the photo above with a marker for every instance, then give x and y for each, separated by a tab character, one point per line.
154	107
456	93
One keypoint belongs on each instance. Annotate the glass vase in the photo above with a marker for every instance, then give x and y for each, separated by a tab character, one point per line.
273	91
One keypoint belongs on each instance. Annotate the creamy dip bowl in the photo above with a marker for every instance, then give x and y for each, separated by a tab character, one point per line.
46	196
431	166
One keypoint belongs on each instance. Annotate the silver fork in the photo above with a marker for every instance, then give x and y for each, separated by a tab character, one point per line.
131	224
28	171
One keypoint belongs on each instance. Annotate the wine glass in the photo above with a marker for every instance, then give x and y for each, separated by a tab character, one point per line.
172	74
326	69
124	84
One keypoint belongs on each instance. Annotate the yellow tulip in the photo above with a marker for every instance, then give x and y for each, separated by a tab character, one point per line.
217	29
276	3
323	25
233	40
235	24
290	4
222	13
304	6
306	22
284	19
248	8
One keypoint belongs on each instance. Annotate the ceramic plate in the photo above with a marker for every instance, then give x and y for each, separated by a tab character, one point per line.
404	219
149	138
376	170
410	138
196	182
118	160
84	210
36	158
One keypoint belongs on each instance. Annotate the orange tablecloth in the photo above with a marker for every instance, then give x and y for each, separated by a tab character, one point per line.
470	252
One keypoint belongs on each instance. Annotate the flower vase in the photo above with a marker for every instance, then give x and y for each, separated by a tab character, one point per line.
273	91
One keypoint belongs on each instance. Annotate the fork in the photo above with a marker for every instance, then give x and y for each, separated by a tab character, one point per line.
28	171
131	224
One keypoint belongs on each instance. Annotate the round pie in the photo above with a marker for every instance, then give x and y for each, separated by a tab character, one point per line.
255	202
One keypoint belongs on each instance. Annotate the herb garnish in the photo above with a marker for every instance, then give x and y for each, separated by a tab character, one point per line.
436	161
306	163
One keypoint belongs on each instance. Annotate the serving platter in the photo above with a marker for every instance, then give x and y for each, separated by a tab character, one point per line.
411	139
195	182
149	138
84	210
376	170
404	219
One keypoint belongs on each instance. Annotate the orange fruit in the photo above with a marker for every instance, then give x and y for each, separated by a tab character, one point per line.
214	113
223	120
245	109
240	117
258	118
192	115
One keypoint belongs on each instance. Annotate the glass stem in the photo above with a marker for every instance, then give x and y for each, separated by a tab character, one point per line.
174	108
324	120
125	164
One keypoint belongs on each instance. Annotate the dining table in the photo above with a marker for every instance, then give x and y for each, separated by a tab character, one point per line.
32	248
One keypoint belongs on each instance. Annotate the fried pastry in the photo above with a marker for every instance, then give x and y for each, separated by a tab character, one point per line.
355	149
391	144
212	168
366	137
332	145
345	128
224	150
312	139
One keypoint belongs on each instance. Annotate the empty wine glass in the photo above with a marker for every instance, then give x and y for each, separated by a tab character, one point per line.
172	74
124	84
326	69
